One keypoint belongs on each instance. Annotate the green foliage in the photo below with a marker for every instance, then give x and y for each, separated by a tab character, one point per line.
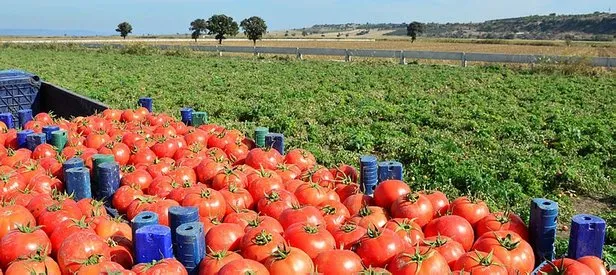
221	26
124	29
254	28
198	27
504	135
413	29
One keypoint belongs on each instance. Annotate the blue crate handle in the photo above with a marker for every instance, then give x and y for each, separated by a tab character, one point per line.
7	118
190	245
108	181
142	219
587	236
50	129
368	174
542	228
179	215
390	170
275	141
146	102
22	138
72	163
186	114
260	133
33	140
153	243
78	183
24	116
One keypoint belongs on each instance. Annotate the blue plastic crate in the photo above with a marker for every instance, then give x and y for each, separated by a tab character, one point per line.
18	91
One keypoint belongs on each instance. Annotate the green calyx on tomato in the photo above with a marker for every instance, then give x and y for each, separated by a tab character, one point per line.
273	196
418	257
438	242
365	211
205	193
262	238
81	223
507	242
412	197
281	252
405	225
488	260
92	260
373	232
329	210
311	229
348	227
27	228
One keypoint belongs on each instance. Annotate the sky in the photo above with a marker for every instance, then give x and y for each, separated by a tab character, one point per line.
174	16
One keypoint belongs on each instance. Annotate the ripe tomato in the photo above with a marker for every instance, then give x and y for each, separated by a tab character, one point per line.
44	150
100	267
566	266
228	177
96	140
477	262
514	252
120	249
45	184
136	177
334	213
379	246
209	201
338	261
262	186
259	158
243	266
292	185
165	266
419	260
471	210
447	247
301	158
79	248
236	199
23	242
208	169
214	261
310	194
10	183
275	202
140	204
345	190
13	157
120	151
374	271
123	197
502	221
455	227
13	216
413	206
319	175
40	264
265	222
65	229
595	263
348	235
371	216
289	260
407	229
288	172
344	173
237	152
356	202
161	186
242	217
257	244
389	191
92	208
224	237
301	214
312	239
110	227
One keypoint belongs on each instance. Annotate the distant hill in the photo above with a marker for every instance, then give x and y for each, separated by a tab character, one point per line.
594	26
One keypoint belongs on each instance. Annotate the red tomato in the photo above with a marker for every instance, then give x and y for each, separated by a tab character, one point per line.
243	266
389	191
14	157
109	227
65	229
336	262
221	140
413	206
477	262
23	242
209	201
288	172
275	202
214	261
262	186
346	190
101	267
439	201
374	271
312	239
301	214
319	175
292	185
514	252
301	158
209	168
236	199
34	265
334	213
237	152
79	248
595	263
165	266
161	186
384	242
472	211
13	216
257	244
502	221
419	260
123	197
120	151
120	249
224	237
344	173
45	184
407	229
371	216
44	150
311	194
263	158
10	183
243	217
289	260
136	177
140	204
96	140
447	247
265	222
112	114
142	155
566	266
228	177
455	227
348	235
356	202
92	208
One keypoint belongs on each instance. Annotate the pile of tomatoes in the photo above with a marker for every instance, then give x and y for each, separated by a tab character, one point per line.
262	212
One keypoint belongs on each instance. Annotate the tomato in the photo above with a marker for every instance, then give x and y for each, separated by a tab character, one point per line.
209	168
53	167
23	242
221	140
345	173
65	229
139	204
13	216
371	216
96	140
292	185
100	267
120	151
289	260
345	190
407	229
452	226
257	244
123	197
374	271
164	148
236	199
447	247
110	227
348	235
334	213
228	177
515	253
389	191
413	206
242	217
92	208
310	194
301	214
262	186
161	186
566	266
165	266
214	261
43	151
112	114
319	175
337	261
477	262
237	152
379	246
595	263
13	157
356	202
209	201
22	197
419	260
224	237
275	202
79	248
45	184
502	221
312	239
471	210
259	158
288	172
265	222
10	183
34	265
136	177
243	266
120	249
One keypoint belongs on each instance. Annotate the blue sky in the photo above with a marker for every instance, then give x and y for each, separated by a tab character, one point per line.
174	16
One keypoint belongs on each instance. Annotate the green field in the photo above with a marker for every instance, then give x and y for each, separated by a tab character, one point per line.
503	135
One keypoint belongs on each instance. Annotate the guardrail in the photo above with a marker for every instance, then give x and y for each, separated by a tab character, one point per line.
396	54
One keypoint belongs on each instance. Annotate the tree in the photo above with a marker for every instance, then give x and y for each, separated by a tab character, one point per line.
414	29
198	26
221	26
254	28
124	29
